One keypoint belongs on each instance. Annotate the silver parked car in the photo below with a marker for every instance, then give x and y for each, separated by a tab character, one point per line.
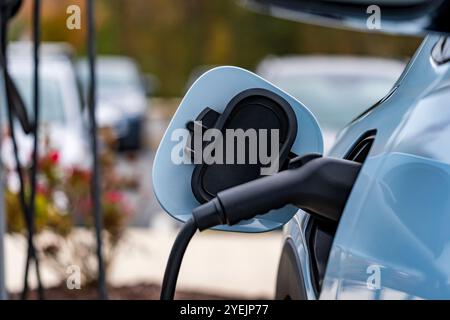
335	88
122	98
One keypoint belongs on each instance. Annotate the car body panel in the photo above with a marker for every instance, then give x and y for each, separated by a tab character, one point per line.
399	225
411	17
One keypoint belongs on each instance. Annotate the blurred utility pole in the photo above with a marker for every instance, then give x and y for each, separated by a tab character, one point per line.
3	294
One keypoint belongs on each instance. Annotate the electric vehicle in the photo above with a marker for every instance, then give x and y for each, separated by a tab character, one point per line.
392	241
376	223
335	88
122	98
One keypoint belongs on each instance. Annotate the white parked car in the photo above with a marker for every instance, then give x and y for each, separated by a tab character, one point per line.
335	88
61	120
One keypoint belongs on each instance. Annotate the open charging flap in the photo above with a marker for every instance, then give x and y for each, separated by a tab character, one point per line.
229	106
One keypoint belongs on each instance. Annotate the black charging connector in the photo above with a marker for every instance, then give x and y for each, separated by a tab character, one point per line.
319	185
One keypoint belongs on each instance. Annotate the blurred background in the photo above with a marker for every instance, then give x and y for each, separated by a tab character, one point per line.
149	53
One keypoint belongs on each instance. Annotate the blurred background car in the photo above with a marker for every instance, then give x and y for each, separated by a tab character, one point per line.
63	128
122	98
335	88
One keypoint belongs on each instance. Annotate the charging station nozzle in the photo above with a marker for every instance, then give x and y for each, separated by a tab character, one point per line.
321	186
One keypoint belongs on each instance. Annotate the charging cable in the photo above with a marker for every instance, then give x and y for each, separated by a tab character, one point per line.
320	186
95	182
16	108
31	253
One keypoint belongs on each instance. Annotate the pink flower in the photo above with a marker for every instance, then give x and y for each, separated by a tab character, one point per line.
54	156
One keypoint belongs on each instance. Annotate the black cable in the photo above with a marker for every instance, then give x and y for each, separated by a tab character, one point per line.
95	181
176	256
34	166
14	102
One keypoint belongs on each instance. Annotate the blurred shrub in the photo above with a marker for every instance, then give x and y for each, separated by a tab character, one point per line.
64	215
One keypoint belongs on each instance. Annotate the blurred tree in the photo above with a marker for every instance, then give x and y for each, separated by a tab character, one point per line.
169	38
